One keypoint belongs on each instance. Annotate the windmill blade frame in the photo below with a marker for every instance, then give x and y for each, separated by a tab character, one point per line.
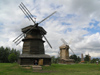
27	9
71	50
19	42
27	13
22	35
64	41
47	41
18	37
47	17
24	13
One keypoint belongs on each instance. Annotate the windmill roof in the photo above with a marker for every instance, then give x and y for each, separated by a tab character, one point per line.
25	29
63	46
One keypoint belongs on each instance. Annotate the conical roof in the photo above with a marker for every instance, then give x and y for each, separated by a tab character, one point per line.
64	46
25	29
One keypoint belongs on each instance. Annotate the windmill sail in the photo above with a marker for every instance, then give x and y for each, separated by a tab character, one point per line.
27	9
24	13
47	17
66	44
72	51
27	13
17	37
64	41
47	41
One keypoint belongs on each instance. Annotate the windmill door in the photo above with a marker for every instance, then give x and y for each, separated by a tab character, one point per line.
40	62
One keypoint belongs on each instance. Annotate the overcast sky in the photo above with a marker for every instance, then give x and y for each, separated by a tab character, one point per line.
76	21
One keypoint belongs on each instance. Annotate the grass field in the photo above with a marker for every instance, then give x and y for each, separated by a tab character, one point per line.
54	69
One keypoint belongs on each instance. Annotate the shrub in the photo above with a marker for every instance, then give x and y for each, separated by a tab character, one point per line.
12	57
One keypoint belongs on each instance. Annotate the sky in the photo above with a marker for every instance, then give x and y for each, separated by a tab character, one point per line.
76	21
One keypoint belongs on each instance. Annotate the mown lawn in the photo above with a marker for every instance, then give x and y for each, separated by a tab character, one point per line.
54	69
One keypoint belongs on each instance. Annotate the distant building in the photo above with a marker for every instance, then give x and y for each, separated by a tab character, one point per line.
82	58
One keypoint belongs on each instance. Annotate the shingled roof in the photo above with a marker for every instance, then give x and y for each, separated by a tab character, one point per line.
25	29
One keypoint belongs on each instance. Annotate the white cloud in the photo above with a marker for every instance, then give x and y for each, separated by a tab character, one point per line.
77	13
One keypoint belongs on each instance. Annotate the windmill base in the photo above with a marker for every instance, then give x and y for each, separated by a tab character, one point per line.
29	59
66	61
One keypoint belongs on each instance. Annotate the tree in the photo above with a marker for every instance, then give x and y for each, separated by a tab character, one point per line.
53	59
94	60
75	57
16	52
5	52
12	57
17	55
78	59
87	58
2	54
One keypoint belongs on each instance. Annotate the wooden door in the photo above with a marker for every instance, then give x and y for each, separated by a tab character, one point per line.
40	62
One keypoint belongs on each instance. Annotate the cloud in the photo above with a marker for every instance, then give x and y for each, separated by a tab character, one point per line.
72	21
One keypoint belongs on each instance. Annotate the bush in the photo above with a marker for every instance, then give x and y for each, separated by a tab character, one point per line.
12	57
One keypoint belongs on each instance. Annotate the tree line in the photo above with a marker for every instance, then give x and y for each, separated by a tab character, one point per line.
8	55
56	59
77	59
11	55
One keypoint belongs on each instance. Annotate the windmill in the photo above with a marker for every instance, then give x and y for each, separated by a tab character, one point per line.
33	47
30	17
65	43
64	53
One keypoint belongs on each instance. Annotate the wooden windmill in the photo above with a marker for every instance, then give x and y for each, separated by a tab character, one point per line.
64	53
33	46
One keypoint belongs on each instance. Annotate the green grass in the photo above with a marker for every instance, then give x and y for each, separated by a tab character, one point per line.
54	69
